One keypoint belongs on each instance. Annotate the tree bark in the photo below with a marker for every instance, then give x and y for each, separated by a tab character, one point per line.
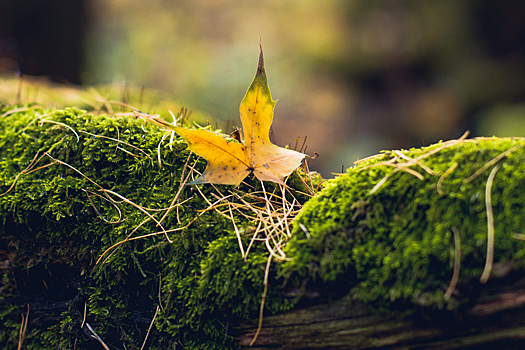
495	321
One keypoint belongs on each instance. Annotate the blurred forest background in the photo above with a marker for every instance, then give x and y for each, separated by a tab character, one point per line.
355	76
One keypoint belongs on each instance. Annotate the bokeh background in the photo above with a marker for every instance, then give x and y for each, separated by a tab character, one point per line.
354	76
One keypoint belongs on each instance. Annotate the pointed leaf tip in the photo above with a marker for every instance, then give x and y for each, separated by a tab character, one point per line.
230	162
260	67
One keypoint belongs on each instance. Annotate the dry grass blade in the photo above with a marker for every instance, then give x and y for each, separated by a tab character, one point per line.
122	142
123	104
41	121
271	213
490	226
404	166
493	161
274	228
73	168
415	161
23	328
27	170
160	289
144	236
256	233
94	335
443	177
16	110
85	313
383	181
61	124
457	264
159	159
142	209
109	201
519	236
183	181
261	308
149	328
276	247
307	173
237	233
305	230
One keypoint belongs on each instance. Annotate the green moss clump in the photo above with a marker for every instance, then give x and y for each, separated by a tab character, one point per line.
391	243
383	232
56	222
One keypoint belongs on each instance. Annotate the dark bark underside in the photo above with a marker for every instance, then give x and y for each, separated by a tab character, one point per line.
495	321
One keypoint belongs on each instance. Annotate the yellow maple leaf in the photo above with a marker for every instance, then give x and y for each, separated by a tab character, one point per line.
230	162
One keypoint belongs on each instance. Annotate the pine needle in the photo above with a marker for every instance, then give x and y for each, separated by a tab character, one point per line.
490	226
457	264
261	308
149	328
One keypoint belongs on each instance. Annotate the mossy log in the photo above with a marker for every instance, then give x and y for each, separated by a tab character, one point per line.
102	243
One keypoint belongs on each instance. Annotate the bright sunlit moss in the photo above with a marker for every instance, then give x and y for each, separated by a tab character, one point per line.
386	233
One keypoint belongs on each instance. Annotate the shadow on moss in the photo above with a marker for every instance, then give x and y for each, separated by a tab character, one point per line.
56	222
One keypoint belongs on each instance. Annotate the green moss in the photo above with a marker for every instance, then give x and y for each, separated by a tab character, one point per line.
57	219
380	232
393	246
